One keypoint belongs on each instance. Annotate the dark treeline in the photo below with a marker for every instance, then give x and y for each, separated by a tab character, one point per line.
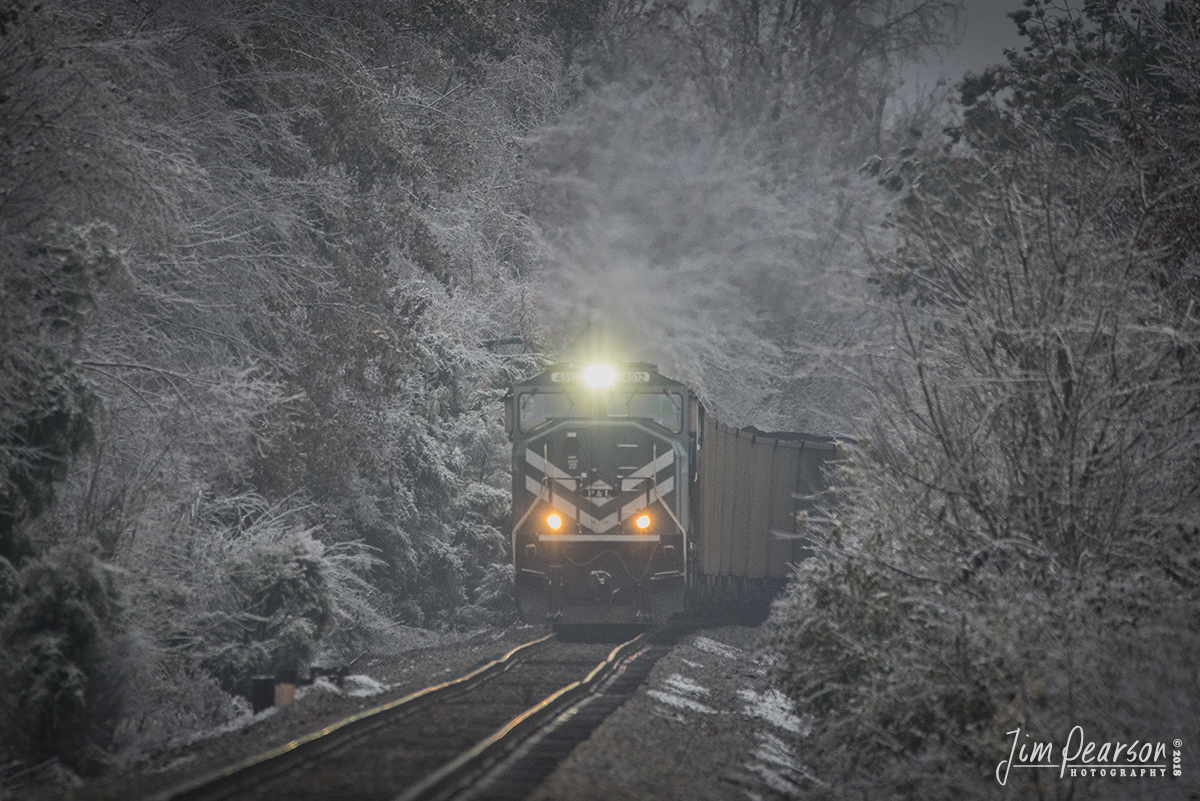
254	256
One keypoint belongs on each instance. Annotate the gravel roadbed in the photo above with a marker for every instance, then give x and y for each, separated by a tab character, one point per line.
705	725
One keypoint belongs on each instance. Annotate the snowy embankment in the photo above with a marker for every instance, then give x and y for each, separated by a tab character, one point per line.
706	725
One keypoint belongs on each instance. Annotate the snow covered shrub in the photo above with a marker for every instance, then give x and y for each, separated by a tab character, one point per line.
47	410
175	700
914	674
279	606
229	588
54	630
256	591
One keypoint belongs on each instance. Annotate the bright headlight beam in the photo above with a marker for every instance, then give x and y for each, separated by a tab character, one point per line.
643	521
554	522
598	376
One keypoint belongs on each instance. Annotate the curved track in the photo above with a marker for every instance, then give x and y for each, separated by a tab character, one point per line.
516	760
497	727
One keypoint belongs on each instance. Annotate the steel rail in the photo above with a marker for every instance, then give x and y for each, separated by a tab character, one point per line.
474	760
237	777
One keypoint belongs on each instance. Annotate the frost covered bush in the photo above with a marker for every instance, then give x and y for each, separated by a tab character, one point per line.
249	589
57	623
280	607
915	682
1017	542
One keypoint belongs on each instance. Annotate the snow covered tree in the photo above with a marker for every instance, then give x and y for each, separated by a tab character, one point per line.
252	256
701	199
1017	547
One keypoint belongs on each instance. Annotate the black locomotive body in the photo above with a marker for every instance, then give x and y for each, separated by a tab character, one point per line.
629	505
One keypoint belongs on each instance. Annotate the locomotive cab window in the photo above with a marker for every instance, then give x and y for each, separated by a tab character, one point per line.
538	408
663	408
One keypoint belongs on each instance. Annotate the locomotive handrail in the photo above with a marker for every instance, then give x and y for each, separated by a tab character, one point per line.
663	501
545	480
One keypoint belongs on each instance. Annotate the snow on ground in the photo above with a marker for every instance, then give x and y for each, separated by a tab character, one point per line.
773	707
705	726
740	738
364	686
718	648
679	701
245	719
392	675
685	685
681	693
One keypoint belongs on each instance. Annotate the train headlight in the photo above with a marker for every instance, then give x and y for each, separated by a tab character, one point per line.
643	522
554	522
599	376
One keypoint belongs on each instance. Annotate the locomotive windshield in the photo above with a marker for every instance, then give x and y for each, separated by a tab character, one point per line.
663	408
535	409
539	408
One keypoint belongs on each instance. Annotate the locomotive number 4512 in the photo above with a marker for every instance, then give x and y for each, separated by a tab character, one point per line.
573	377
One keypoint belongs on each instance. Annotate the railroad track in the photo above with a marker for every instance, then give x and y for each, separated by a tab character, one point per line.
494	733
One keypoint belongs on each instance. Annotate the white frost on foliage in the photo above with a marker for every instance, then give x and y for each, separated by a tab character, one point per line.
773	707
718	648
774	762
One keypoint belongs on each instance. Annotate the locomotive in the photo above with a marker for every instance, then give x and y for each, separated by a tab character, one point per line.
631	504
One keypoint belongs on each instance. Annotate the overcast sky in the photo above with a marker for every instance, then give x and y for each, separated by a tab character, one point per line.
987	31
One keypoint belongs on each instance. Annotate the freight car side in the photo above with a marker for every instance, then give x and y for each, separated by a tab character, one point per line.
752	486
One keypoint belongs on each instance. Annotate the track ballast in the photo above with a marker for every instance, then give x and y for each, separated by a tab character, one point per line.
495	733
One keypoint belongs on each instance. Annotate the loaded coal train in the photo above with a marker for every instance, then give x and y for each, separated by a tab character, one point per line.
631	504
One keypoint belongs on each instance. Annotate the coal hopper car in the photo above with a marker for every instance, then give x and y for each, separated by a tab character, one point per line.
630	504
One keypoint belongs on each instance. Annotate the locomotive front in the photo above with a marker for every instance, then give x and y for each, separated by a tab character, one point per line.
602	472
